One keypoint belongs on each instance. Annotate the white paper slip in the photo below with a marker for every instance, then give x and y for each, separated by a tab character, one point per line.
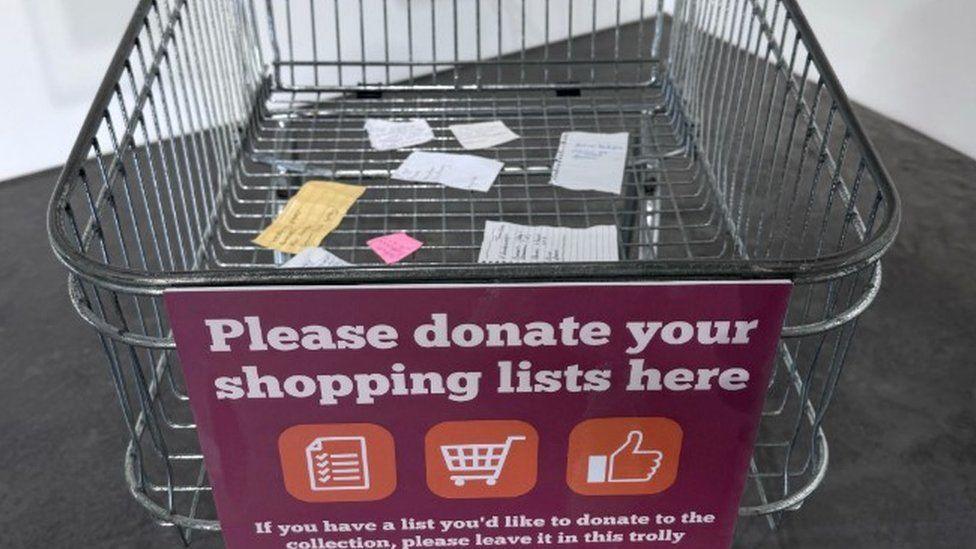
512	243
385	135
590	161
315	257
483	135
461	171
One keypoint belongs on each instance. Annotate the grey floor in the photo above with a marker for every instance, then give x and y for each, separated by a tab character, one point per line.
902	428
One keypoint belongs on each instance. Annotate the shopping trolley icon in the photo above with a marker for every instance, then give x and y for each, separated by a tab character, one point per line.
477	461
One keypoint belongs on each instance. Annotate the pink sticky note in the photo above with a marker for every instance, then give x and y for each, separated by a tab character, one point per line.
394	247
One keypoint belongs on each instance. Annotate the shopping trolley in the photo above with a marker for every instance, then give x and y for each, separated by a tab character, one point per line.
477	461
746	161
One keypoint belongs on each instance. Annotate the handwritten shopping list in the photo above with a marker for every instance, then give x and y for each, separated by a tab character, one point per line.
315	257
460	171
483	135
394	247
315	211
591	161
512	243
386	135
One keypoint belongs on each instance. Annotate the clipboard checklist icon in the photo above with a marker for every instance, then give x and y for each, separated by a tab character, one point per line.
338	463
335	462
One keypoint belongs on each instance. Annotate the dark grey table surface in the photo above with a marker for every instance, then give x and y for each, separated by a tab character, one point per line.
902	428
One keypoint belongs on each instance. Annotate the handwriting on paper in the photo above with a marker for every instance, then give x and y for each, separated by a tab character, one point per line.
315	211
591	161
460	171
483	135
512	243
385	135
394	247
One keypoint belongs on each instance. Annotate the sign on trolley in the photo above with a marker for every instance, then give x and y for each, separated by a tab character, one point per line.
478	415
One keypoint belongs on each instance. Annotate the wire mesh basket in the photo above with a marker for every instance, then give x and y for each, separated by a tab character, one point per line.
745	161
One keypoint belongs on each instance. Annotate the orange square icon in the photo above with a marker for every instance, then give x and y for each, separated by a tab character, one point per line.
623	456
481	459
338	462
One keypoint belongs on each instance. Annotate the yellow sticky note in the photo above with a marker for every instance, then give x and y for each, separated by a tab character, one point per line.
315	210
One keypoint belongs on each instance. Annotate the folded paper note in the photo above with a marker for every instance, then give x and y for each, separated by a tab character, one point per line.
385	135
511	243
590	161
394	247
315	210
483	135
460	171
315	257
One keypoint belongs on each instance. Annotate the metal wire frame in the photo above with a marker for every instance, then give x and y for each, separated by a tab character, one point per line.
745	161
326	46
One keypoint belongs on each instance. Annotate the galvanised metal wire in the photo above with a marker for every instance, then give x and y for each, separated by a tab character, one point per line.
746	161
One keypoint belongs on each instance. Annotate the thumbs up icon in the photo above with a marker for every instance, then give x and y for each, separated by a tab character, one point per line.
628	463
616	456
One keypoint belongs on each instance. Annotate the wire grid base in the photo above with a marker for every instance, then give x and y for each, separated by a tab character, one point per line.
666	208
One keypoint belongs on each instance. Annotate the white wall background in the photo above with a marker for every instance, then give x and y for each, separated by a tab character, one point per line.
909	59
912	60
52	57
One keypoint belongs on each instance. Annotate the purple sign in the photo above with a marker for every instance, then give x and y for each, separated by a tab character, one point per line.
478	415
